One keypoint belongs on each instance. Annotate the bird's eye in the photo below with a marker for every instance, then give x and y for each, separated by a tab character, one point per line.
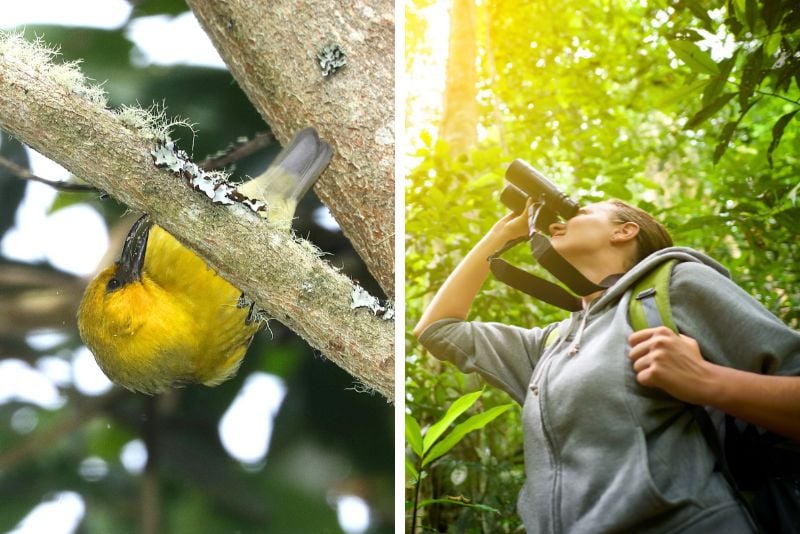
113	284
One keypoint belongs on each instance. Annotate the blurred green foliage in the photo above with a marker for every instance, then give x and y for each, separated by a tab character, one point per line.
436	441
328	441
609	99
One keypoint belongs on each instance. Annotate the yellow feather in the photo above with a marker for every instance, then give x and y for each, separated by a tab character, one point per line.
179	322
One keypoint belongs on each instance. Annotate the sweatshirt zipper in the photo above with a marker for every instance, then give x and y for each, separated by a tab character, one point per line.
541	369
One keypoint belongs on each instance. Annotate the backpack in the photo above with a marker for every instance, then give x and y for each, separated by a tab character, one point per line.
762	468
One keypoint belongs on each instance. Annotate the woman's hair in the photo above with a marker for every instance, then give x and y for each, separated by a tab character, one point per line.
652	235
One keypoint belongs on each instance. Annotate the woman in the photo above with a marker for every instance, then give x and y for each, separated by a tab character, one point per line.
610	444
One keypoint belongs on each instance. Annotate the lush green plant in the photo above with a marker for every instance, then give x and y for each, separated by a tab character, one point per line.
761	62
426	447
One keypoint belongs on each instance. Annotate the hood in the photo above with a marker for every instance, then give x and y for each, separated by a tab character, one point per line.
640	269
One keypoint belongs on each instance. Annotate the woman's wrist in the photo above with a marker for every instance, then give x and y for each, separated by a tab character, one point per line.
510	227
500	234
492	242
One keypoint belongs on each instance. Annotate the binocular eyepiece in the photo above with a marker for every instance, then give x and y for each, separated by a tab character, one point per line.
525	182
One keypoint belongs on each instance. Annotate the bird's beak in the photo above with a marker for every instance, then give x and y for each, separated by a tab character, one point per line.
131	260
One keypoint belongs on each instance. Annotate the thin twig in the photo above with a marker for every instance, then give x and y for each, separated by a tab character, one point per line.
236	152
25	174
766	93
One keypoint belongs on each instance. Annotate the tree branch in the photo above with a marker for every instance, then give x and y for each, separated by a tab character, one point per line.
236	152
24	174
271	49
65	121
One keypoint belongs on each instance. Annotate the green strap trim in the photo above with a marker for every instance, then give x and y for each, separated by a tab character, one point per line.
552	336
656	280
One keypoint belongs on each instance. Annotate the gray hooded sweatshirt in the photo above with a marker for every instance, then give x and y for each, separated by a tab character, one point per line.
602	452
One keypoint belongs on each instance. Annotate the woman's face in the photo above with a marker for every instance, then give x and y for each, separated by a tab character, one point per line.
586	233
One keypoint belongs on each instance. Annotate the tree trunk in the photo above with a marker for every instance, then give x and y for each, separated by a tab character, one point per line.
459	124
271	49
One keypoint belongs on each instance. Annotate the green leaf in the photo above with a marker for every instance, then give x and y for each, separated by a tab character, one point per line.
475	422
413	434
751	75
708	111
703	221
684	94
789	218
772	14
751	14
734	25
699	12
458	407
459	502
426	138
713	88
437	197
65	200
771	44
616	190
688	35
792	195
412	475
739	9
164	7
694	57
490	178
724	140
717	83
777	133
649	184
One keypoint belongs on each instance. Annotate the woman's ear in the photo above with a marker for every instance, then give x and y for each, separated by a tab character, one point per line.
625	232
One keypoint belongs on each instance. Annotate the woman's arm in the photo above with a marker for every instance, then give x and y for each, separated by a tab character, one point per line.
674	363
455	296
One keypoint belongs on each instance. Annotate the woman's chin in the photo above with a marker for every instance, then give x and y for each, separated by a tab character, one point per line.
557	243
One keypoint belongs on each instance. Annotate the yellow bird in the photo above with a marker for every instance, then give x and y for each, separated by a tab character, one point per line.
160	316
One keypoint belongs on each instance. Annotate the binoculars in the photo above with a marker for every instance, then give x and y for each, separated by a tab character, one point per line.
526	182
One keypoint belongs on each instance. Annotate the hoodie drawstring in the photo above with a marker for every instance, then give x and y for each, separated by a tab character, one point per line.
576	345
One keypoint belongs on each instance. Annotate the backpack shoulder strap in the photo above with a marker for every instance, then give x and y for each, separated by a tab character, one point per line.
552	336
650	305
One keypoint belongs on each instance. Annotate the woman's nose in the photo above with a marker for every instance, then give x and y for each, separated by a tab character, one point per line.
556	227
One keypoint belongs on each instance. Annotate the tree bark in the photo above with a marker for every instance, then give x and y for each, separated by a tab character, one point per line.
459	125
271	50
52	114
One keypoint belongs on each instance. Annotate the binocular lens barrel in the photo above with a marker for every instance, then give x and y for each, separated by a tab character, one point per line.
514	198
531	182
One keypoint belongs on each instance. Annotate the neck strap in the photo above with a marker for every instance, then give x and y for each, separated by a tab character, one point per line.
554	263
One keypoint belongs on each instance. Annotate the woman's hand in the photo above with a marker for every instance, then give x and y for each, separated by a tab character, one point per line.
512	226
671	362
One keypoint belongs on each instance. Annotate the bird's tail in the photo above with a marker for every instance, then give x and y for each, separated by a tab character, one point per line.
290	176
